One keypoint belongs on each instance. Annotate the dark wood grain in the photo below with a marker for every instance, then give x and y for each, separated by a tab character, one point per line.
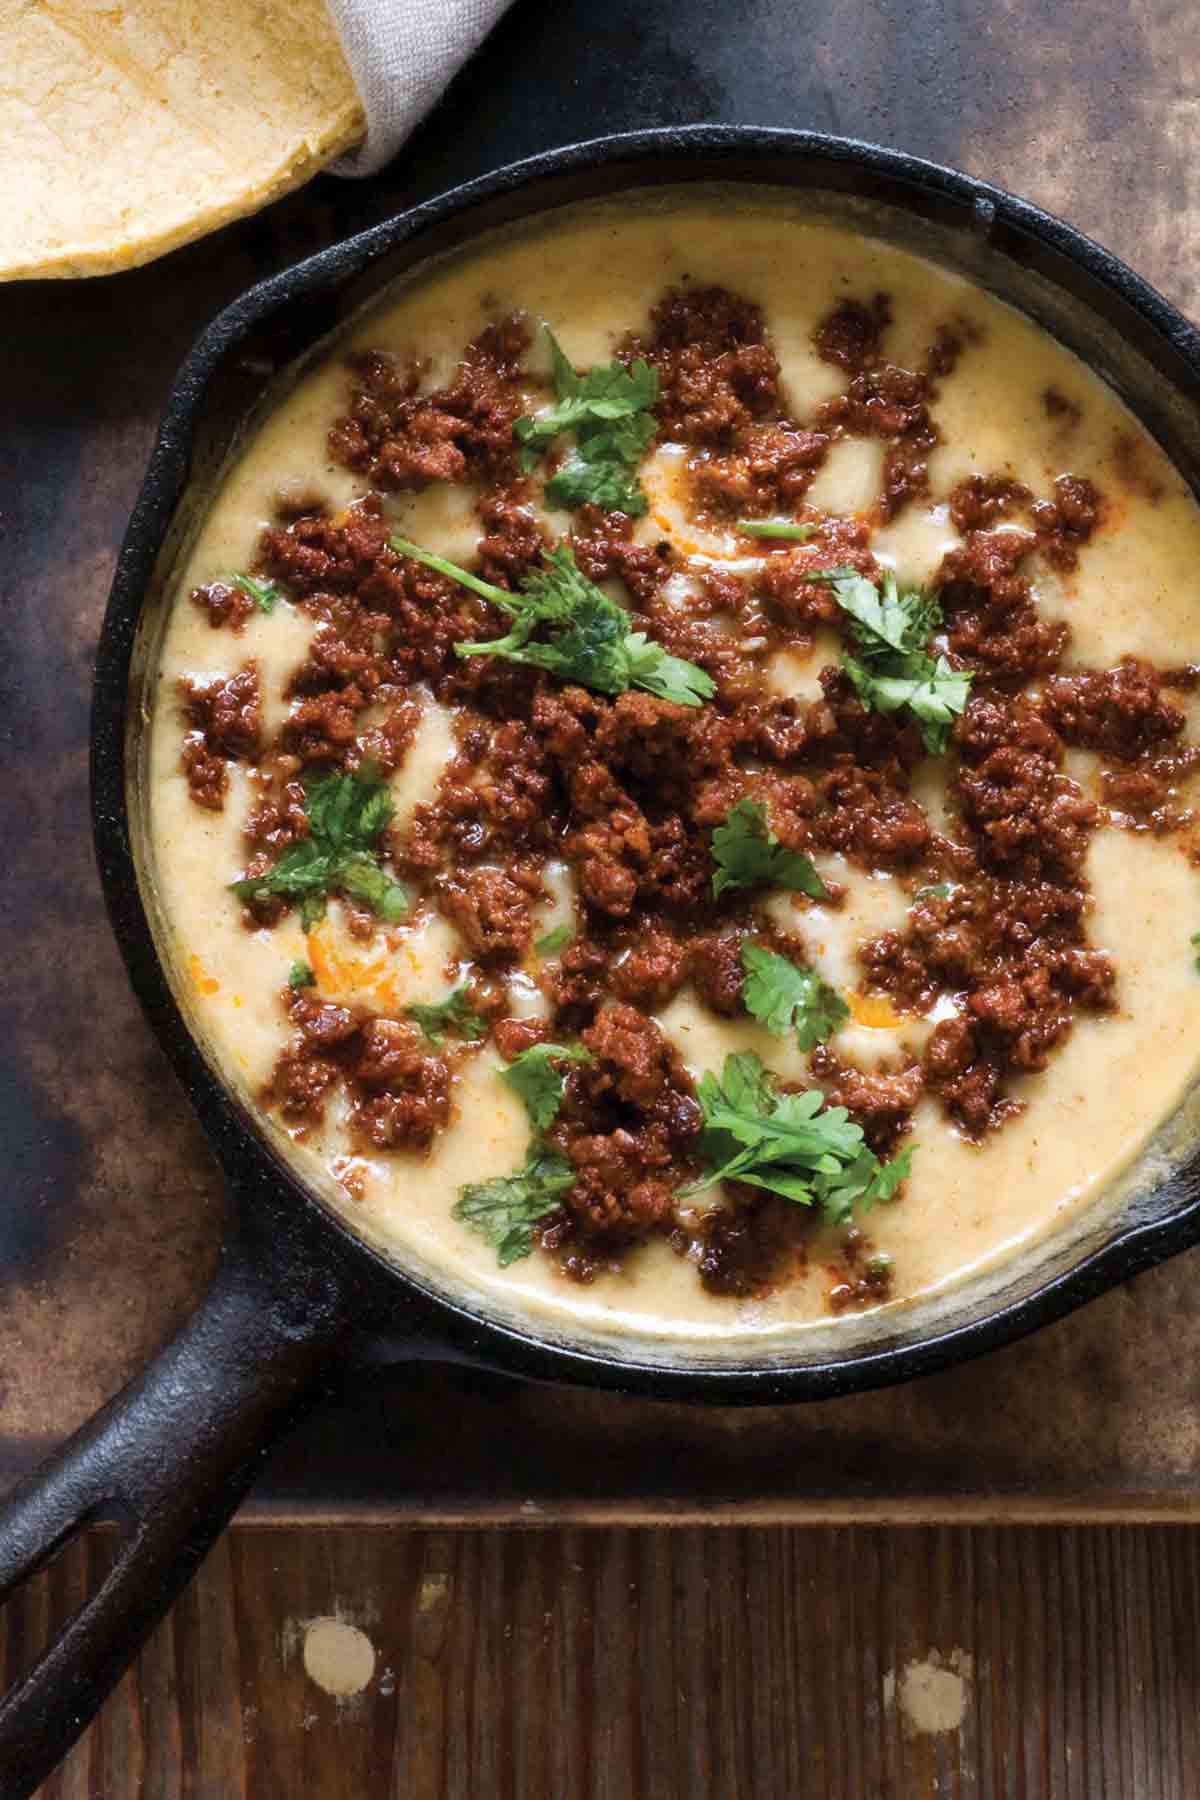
649	1665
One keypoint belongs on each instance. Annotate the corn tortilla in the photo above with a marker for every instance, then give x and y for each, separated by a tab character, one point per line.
126	130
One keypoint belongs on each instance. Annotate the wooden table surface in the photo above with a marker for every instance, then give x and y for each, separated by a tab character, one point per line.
735	1662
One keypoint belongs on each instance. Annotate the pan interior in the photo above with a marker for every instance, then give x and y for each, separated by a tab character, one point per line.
1143	1187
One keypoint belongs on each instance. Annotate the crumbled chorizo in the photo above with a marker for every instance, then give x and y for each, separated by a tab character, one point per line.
651	971
628	1124
768	466
324	729
634	1058
881	1101
1015	951
513	540
225	603
403	1089
206	773
980	500
496	798
786	581
580	982
299	1083
1121	712
619	1195
862	814
715	968
225	716
228	711
489	909
1024	815
604	547
851	335
888	402
399	1090
1065	523
993	622
717	371
746	1248
404	438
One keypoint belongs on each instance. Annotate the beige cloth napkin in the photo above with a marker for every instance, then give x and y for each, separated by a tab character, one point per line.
402	54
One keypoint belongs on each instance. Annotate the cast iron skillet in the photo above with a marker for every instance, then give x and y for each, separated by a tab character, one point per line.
173	1454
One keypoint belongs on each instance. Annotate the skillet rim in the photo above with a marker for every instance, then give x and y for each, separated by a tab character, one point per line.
254	1171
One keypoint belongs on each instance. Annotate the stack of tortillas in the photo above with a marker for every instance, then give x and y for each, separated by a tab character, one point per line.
130	126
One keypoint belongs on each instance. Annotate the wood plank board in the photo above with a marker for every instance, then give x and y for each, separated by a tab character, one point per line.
654	1665
115	1210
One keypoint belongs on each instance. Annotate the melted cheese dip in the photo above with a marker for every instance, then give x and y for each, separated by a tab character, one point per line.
594	275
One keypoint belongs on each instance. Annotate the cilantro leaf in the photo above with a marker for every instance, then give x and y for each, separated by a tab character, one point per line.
864	1184
886	618
937	890
886	1179
506	1209
746	1084
590	642
304	873
932	691
540	1085
1194	940
747	852
608	409
607	392
785	998
300	976
789	1144
361	877
453	1013
346	814
602	470
651	667
555	940
775	528
263	593
893	669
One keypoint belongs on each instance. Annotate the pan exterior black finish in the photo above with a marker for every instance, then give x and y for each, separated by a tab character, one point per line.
173	1454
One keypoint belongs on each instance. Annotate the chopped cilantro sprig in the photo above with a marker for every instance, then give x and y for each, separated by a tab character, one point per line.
589	637
555	940
886	620
346	815
932	691
784	529
263	593
609	410
453	1013
505	1210
893	668
747	853
540	1085
789	1144
786	998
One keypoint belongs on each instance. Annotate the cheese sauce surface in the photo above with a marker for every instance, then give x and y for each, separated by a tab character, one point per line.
595	274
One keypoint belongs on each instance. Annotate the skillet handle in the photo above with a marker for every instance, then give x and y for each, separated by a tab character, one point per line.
170	1457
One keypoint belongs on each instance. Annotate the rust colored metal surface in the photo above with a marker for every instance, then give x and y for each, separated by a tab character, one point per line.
114	1210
